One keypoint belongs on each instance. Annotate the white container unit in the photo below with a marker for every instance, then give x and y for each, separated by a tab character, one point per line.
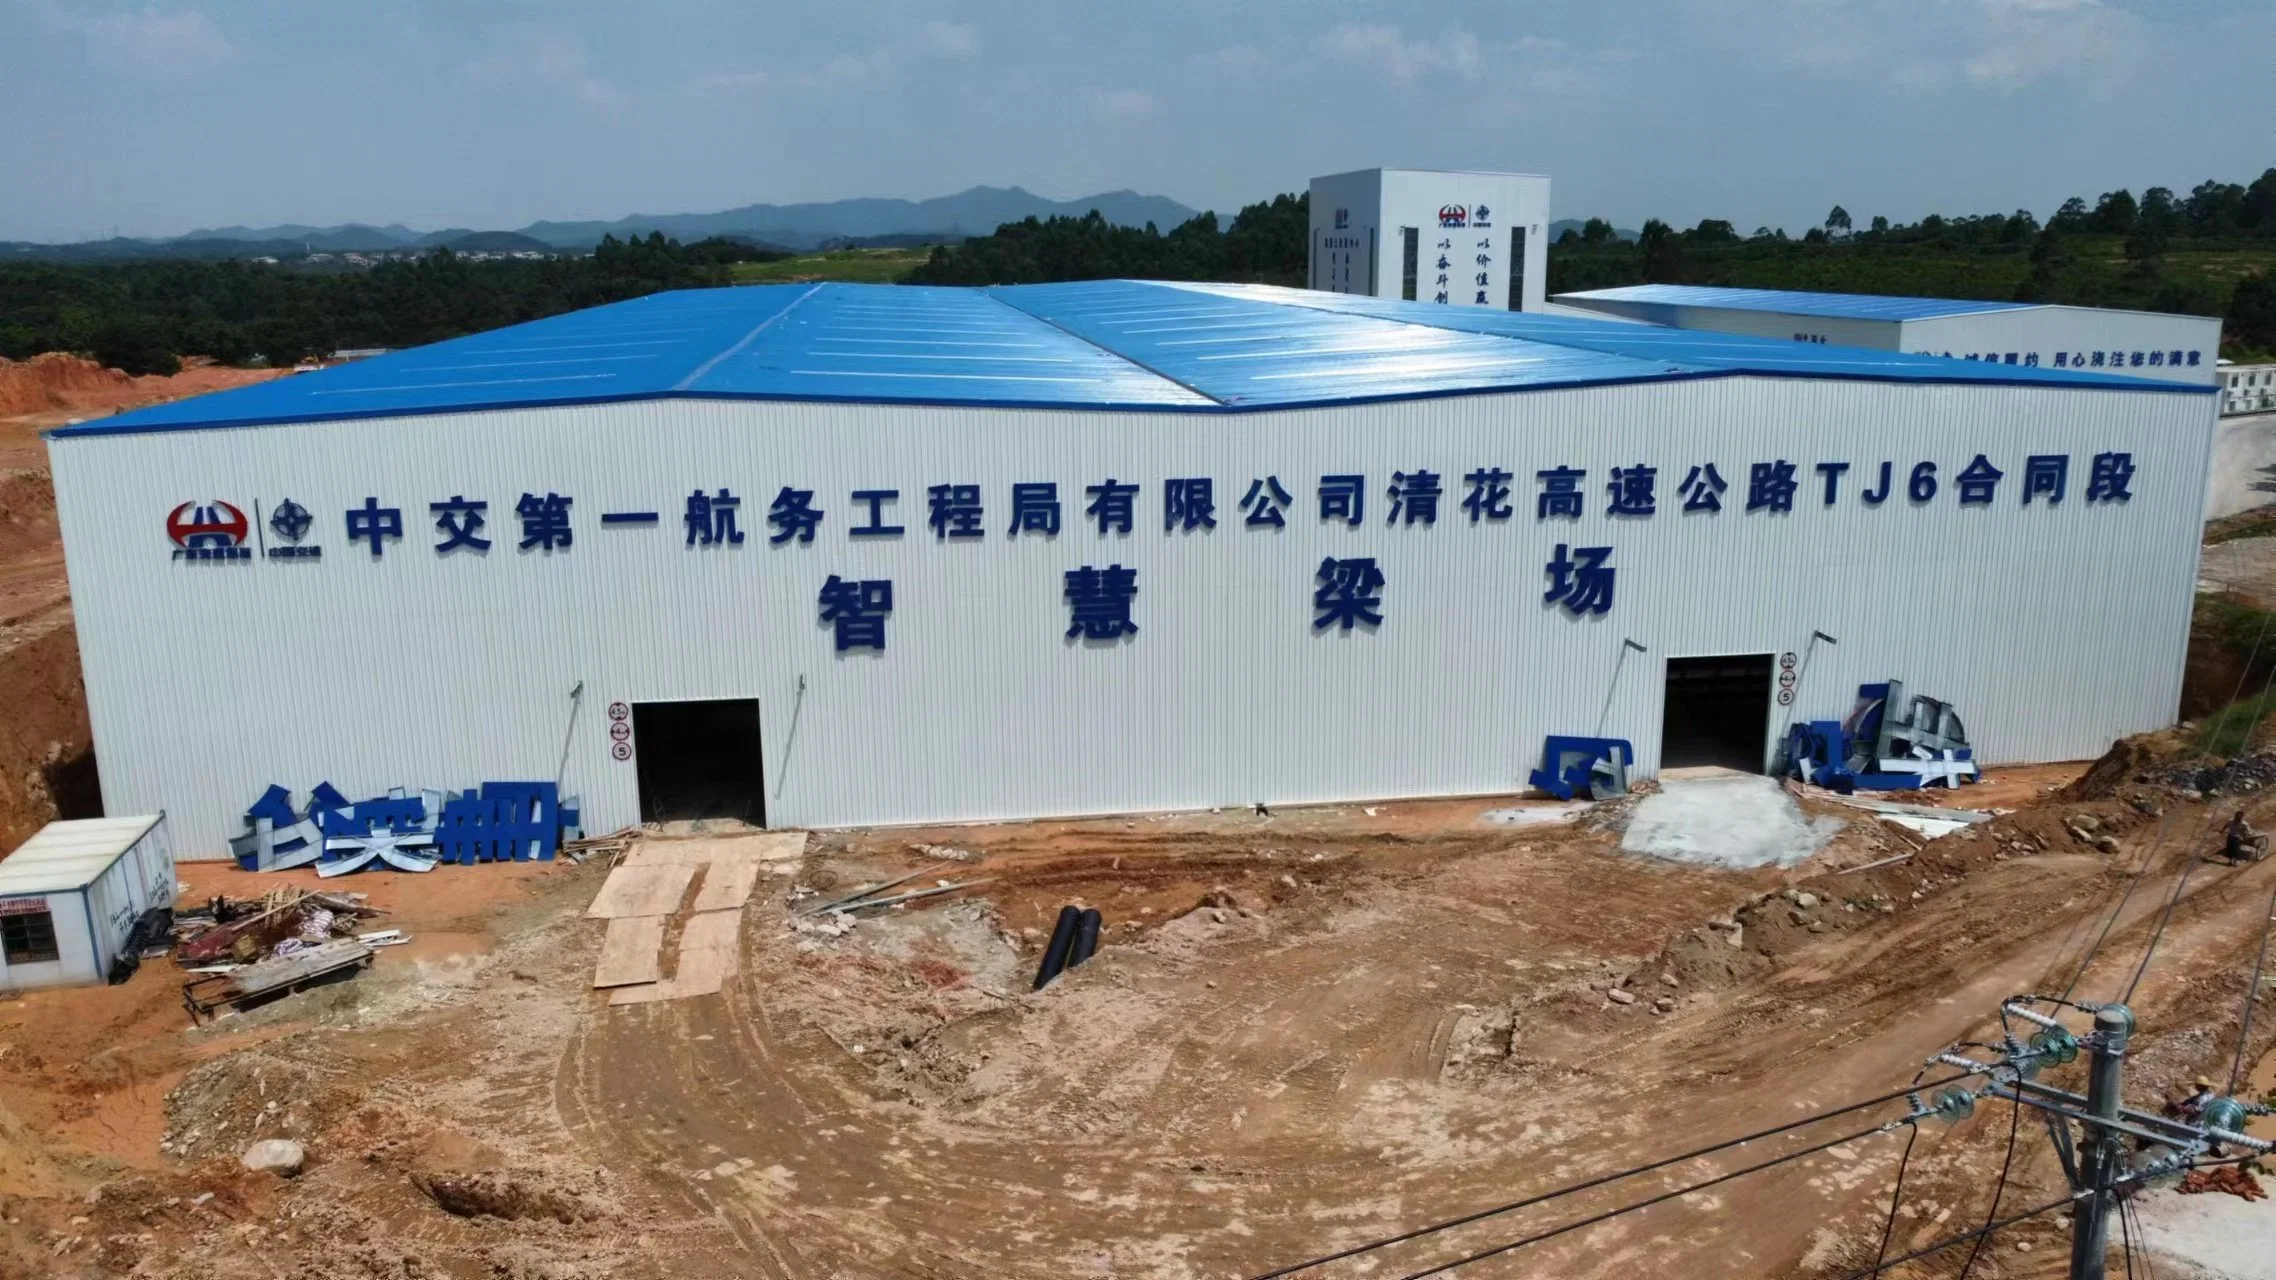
70	895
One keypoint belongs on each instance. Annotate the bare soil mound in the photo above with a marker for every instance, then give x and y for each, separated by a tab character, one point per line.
55	381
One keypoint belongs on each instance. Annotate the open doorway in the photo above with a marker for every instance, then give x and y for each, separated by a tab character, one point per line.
700	760
1717	712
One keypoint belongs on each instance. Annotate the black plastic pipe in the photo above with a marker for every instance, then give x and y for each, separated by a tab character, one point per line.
1086	938
1062	942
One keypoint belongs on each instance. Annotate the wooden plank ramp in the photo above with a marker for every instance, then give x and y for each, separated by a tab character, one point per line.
632	952
642	891
710	951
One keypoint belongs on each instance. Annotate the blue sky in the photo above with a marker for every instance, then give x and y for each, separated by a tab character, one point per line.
152	119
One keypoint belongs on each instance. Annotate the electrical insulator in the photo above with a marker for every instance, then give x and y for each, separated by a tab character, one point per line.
1952	1105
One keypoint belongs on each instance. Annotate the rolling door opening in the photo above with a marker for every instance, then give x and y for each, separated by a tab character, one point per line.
700	760
1717	712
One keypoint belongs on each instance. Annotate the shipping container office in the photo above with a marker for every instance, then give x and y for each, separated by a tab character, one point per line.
70	896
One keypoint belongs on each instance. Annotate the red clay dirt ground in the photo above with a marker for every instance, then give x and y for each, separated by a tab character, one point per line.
44	748
1301	1031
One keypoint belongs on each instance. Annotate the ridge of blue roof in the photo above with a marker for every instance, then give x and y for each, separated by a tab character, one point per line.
1704	351
1836	306
1103	344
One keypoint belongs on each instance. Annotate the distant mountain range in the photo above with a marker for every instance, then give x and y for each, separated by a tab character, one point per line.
801	227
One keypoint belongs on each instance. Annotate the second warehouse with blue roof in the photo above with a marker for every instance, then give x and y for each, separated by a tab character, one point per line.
2031	335
824	555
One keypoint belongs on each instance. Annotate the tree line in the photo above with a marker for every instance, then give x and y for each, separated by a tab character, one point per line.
142	316
2210	252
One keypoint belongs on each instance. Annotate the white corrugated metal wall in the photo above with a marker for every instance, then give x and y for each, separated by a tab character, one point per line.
2052	628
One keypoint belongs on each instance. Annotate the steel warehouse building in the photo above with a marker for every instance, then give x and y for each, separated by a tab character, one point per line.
2138	344
839	554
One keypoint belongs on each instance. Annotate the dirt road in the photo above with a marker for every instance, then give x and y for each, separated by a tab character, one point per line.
1301	1032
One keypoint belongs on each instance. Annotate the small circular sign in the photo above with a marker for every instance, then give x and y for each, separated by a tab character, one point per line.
1785	660
619	711
1785	697
622	751
620	731
1786	679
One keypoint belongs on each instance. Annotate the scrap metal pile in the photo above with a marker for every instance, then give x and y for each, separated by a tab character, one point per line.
237	931
1889	742
496	822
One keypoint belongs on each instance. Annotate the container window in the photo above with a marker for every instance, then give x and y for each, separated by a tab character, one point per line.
28	939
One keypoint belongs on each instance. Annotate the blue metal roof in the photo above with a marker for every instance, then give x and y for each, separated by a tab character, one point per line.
1108	344
1637	298
1701	352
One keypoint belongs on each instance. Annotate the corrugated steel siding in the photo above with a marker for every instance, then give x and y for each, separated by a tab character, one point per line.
2051	629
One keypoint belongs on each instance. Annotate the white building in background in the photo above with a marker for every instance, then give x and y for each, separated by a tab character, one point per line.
819	555
1450	236
2247	388
2137	344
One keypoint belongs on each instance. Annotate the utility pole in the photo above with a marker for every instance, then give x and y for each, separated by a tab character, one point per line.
2101	1151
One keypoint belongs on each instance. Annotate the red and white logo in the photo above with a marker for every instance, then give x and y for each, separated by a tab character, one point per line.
210	530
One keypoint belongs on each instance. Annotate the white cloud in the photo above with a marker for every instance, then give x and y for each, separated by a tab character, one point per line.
951	39
147	41
1925	45
553	57
1391	53
732	84
1125	104
876	66
2025	41
1239	59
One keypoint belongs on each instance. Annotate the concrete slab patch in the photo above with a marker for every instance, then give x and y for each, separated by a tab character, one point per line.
1726	820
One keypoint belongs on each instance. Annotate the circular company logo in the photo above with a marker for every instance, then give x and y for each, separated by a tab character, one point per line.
1453	215
290	521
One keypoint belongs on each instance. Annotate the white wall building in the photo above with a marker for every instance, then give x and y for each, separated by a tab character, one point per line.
843	554
70	896
2247	388
1448	236
2138	344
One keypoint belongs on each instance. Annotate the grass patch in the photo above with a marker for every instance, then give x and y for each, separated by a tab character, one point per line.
2228	733
2229	622
856	266
2260	522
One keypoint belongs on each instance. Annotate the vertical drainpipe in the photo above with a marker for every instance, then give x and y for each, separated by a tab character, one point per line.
87	908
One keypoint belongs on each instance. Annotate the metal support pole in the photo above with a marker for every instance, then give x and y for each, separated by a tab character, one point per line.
2101	1155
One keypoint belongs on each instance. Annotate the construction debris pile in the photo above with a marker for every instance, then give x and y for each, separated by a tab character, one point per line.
238	931
2233	1179
2241	776
496	822
1889	742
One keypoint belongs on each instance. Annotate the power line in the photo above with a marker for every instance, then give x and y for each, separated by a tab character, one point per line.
1962	1238
1605	1179
1897	1192
2190	867
2126	1234
2203	752
1648	1202
1999	1189
2251	996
